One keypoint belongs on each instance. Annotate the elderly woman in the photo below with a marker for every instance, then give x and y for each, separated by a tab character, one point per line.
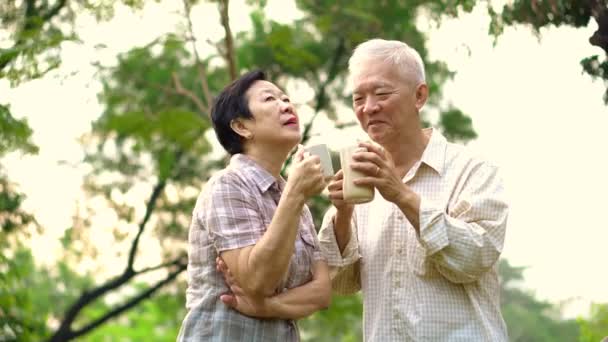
257	224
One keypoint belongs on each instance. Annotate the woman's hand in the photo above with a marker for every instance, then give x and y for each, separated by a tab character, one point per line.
306	175
237	299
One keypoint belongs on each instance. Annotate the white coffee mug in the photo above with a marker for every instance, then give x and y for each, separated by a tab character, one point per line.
322	152
354	194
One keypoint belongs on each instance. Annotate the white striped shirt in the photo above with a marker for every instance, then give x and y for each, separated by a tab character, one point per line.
443	284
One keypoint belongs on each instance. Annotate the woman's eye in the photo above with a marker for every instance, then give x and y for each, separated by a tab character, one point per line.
286	99
269	98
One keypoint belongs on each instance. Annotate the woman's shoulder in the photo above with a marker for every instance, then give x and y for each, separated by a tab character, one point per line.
225	180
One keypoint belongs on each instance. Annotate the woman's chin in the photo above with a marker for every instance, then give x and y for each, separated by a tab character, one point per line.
293	138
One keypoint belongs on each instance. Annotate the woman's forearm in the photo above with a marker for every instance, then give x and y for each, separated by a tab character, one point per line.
260	268
269	259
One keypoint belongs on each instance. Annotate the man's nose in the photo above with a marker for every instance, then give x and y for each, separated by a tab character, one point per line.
370	106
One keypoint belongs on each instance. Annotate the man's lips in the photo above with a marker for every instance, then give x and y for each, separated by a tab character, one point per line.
374	122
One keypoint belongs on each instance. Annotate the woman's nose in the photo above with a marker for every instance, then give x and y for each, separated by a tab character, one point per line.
286	107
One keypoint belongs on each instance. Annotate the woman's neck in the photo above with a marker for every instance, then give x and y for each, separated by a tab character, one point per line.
271	159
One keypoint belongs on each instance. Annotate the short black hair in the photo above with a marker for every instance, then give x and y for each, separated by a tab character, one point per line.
232	104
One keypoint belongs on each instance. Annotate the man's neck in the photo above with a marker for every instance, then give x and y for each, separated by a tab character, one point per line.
408	149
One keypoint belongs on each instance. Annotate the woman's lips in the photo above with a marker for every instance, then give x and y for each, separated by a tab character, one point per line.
291	121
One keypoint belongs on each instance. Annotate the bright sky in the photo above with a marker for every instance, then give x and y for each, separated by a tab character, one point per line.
535	112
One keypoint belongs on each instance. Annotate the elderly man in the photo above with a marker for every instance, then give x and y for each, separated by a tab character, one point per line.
424	252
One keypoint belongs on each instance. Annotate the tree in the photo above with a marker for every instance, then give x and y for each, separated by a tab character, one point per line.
15	136
546	13
35	30
539	14
150	137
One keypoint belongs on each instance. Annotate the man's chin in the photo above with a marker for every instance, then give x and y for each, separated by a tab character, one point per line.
375	136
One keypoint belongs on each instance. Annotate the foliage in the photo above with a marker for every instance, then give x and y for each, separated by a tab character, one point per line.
30	295
34	30
15	134
316	48
150	141
539	14
527	318
156	319
595	328
341	322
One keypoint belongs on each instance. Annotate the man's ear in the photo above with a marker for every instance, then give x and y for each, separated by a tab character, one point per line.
239	127
422	94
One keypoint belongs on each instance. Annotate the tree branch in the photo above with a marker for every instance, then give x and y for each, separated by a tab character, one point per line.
200	66
68	334
177	262
229	53
89	296
321	98
53	11
158	189
179	89
599	11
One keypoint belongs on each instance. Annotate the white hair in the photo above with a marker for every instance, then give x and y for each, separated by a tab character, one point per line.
399	54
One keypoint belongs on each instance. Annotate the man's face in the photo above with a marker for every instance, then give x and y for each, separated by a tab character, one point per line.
384	102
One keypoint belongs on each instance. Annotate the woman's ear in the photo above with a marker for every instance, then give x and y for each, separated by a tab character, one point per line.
239	127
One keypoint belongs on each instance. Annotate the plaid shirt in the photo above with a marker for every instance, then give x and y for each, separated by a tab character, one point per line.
441	285
233	211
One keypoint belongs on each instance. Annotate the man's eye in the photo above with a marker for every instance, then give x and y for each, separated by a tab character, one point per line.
269	98
286	99
357	99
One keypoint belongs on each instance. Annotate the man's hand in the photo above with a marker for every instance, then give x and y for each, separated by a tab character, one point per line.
237	298
344	210
336	193
380	171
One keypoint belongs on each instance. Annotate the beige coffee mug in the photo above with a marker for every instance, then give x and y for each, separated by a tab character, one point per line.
354	194
323	153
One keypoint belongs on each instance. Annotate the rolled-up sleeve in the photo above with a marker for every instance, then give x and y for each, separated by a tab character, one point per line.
231	216
343	267
466	240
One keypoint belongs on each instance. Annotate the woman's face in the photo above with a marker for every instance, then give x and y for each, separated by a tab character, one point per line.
275	120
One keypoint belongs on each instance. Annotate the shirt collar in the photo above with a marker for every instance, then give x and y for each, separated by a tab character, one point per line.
434	153
255	172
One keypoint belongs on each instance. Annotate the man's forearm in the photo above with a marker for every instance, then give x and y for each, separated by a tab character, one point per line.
342	229
409	204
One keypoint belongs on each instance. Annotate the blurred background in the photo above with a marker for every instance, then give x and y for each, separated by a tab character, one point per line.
105	143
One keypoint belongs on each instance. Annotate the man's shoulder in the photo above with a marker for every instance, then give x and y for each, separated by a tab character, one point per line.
465	156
